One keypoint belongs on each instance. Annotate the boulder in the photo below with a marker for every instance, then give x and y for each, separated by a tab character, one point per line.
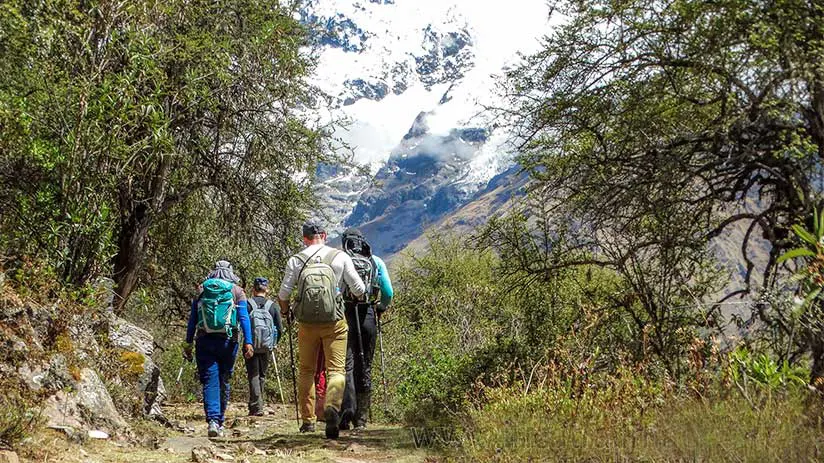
88	405
7	456
131	338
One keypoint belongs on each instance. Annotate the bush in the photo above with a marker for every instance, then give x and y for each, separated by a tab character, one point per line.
18	414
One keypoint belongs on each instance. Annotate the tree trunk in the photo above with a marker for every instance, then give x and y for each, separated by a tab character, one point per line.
136	218
131	249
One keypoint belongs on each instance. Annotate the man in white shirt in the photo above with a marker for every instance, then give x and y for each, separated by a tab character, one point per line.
314	335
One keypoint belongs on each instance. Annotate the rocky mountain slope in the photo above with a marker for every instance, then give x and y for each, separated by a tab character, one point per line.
409	80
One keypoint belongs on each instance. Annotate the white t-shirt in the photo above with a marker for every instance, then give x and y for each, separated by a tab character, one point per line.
342	266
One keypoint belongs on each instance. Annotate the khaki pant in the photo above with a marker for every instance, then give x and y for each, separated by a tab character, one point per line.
331	337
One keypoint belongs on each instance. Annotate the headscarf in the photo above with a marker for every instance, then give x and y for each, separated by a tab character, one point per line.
223	270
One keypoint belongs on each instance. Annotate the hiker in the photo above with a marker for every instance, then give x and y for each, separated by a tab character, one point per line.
316	275
362	318
266	330
320	385
216	314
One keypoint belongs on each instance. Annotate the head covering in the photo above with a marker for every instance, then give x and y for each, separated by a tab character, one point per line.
223	270
261	282
312	228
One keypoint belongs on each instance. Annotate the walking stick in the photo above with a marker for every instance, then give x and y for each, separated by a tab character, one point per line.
292	359
277	375
383	367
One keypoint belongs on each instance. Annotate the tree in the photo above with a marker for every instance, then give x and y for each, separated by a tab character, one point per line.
117	113
711	111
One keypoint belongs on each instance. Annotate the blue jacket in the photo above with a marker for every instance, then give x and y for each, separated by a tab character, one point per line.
384	283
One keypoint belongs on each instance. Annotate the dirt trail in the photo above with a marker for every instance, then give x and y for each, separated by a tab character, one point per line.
273	437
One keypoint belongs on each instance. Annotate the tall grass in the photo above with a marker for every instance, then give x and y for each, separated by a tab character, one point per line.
633	420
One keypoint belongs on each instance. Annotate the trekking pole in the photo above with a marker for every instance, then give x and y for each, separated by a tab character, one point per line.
383	368
360	339
277	375
292	359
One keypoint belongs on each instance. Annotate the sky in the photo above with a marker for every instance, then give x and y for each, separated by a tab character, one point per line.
499	31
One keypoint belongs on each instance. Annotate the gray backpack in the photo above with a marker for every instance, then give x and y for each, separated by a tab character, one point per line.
263	327
317	298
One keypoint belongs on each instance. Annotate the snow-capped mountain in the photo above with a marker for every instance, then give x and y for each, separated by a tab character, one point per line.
410	78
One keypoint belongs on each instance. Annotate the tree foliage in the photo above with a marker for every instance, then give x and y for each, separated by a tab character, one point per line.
693	115
651	129
126	125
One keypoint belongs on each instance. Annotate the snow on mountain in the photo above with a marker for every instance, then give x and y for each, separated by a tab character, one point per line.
385	63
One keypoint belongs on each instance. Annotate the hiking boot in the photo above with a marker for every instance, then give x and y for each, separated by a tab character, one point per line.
362	412
343	426
213	430
307	427
256	413
221	431
332	422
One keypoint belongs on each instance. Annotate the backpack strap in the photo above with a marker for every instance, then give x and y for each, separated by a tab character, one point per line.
268	305
305	261
330	257
251	302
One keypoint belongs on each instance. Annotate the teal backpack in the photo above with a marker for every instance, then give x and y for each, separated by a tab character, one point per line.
216	307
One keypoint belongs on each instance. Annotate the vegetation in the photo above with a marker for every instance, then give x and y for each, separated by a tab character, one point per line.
651	128
128	127
142	141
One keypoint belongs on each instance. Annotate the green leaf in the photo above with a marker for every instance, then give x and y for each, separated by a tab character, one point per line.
810	297
804	234
819	224
795	253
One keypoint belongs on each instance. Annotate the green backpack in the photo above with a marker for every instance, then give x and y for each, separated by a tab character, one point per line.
317	298
216	307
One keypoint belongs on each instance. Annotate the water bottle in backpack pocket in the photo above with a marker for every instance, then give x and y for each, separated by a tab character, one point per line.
216	311
263	327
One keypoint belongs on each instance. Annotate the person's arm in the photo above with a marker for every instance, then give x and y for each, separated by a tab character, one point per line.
351	277
384	283
243	320
290	276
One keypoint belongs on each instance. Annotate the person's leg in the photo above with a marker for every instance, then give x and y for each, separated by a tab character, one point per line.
226	364
208	373
352	350
263	367
308	346
253	375
363	381
334	348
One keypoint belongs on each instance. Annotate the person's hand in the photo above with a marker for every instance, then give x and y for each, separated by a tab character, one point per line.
187	352
248	351
380	309
287	316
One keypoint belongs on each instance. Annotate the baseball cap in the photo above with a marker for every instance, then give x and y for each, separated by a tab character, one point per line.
261	282
312	228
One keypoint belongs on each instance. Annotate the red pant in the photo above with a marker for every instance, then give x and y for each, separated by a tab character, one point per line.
320	385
